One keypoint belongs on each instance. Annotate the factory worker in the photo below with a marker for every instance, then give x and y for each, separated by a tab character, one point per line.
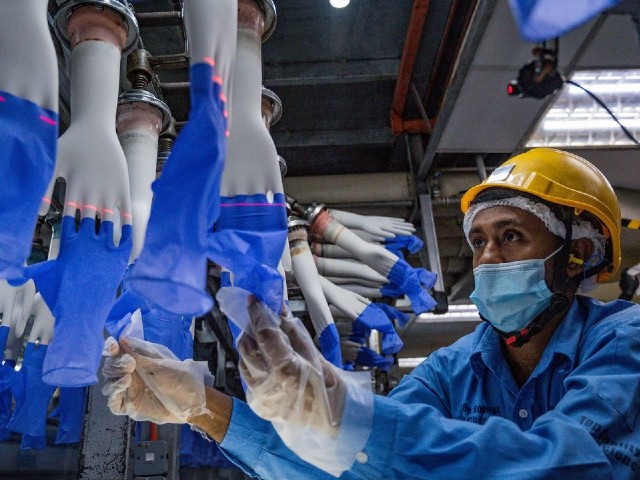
548	386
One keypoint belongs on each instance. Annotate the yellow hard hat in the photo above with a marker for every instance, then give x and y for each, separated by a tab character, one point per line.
564	179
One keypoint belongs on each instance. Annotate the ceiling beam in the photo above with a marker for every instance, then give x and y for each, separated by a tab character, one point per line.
478	24
344	138
409	54
325	73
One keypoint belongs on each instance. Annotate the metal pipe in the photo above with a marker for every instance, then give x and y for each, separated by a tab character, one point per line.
176	60
174	86
482	169
477	26
407	62
159	19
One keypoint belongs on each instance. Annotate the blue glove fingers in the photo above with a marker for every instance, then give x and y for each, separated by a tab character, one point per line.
410	242
120	315
427	278
5	414
404	276
29	417
33	442
391	343
28	135
394	314
171	269
249	239
392	291
71	414
368	358
8	375
330	345
4	336
373	318
170	330
91	271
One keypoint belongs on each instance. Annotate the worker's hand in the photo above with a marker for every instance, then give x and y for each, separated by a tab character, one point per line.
148	382
288	379
319	411
387	227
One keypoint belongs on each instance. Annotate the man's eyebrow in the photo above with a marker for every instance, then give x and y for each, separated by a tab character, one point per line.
510	222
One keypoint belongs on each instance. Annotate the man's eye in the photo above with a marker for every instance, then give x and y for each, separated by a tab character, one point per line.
511	236
477	243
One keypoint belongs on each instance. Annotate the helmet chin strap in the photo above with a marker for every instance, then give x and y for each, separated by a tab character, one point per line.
559	301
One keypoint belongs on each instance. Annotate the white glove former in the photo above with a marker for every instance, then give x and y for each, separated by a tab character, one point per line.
386	227
149	383
317	410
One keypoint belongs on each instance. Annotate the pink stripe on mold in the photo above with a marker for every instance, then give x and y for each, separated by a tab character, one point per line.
48	120
252	205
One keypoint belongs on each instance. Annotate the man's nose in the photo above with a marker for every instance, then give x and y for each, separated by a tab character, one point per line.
490	254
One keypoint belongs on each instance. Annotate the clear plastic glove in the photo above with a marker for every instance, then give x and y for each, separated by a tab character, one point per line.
288	378
387	227
311	403
15	305
149	383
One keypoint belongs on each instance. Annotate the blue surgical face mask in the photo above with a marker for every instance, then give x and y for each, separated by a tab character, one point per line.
510	295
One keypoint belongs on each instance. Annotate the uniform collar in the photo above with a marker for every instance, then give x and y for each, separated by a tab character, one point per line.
487	351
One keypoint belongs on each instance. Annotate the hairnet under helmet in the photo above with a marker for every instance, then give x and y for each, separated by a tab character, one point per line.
561	178
580	228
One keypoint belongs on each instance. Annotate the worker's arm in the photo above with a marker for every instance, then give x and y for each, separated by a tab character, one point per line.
215	425
592	433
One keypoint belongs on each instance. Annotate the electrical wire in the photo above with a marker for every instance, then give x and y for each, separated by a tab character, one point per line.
603	105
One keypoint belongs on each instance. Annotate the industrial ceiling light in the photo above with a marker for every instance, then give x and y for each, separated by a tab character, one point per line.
339	3
576	120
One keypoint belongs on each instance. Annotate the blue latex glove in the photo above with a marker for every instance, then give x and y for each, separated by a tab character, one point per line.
394	314
540	20
80	288
368	358
407	280
171	269
70	413
168	329
412	243
30	414
373	318
120	315
28	135
248	240
329	340
427	278
8	376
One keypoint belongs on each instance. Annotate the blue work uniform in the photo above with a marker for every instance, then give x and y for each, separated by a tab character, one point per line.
460	414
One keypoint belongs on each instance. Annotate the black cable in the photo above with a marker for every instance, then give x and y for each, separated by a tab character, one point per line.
603	105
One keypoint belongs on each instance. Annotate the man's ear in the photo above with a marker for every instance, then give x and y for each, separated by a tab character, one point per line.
581	250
